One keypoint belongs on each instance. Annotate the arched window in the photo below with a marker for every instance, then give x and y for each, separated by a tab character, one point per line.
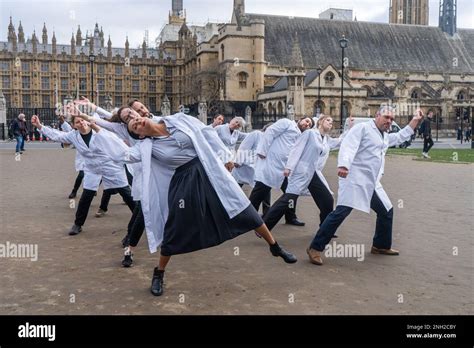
461	95
415	94
346	110
329	79
243	76
280	108
318	108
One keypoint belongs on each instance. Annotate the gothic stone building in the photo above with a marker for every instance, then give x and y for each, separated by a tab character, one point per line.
263	63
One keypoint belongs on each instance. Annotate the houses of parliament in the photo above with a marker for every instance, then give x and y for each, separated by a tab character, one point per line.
265	64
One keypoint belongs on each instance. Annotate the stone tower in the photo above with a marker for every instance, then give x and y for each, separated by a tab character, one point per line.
409	12
296	76
447	16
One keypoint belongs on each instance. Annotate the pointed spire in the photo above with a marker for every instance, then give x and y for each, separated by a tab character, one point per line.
96	29
53	41
34	41
12	34
109	48
21	34
10	26
45	35
127	48
101	36
73	45
296	60
144	49
79	36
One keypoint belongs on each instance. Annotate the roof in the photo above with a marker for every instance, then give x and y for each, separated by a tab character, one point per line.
282	83
170	32
48	48
372	46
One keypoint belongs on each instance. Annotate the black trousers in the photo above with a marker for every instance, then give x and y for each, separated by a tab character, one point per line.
265	203
262	192
427	144
136	226
321	196
78	181
87	197
383	228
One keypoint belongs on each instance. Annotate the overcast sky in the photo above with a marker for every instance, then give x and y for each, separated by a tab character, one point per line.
132	17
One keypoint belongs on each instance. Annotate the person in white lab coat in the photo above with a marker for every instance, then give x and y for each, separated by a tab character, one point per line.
218	120
272	152
118	124
79	161
191	202
231	133
244	170
304	168
97	163
360	169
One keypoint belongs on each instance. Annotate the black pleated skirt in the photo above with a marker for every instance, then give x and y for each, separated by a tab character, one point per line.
197	219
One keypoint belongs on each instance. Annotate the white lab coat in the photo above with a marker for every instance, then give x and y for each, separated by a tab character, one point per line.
308	156
79	161
121	130
157	177
230	139
363	153
97	163
275	145
246	158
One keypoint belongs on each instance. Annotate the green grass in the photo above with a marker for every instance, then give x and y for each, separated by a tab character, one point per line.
438	155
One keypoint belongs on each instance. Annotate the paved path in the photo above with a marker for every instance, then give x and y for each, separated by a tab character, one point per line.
82	274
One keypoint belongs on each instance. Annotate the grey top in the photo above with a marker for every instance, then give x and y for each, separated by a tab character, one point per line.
174	150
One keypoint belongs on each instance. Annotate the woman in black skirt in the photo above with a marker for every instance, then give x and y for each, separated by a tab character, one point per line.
190	201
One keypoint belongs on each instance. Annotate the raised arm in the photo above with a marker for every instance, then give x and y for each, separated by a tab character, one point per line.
53	134
405	134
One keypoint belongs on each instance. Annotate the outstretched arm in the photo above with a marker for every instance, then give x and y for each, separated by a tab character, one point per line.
53	134
405	134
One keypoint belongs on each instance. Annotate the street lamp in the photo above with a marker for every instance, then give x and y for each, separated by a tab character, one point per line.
91	60
318	108
343	42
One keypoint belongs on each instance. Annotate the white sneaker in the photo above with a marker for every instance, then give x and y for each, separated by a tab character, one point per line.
427	156
424	154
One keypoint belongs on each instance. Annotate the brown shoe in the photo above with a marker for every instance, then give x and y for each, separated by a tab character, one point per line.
391	252
314	257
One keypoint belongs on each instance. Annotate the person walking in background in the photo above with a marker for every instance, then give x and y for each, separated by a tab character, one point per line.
20	131
427	140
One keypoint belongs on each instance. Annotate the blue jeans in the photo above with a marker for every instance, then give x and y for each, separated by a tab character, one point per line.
383	229
20	143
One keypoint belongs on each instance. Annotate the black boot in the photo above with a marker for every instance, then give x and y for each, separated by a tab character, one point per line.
277	250
157	282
